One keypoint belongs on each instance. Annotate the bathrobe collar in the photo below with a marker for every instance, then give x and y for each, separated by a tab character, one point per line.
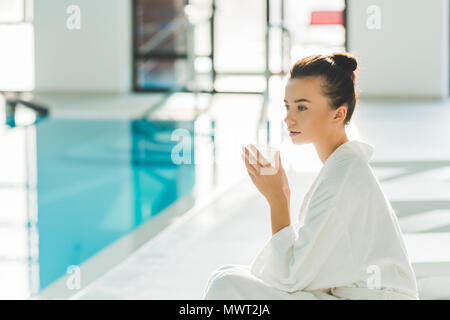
352	148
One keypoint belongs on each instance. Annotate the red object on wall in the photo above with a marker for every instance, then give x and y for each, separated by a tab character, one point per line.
327	17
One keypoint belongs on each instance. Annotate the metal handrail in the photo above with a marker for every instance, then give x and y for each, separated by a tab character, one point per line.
39	108
11	106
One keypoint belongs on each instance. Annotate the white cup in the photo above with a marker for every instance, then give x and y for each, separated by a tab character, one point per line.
269	156
268	152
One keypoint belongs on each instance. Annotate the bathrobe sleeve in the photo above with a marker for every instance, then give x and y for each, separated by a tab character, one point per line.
294	256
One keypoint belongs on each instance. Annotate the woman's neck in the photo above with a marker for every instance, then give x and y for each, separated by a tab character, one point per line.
327	146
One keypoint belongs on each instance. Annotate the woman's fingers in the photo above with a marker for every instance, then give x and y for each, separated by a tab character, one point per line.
250	169
254	154
251	156
260	159
250	162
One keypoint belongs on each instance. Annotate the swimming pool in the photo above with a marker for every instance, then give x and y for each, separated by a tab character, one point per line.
96	181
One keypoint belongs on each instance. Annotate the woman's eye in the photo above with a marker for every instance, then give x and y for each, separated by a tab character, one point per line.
304	108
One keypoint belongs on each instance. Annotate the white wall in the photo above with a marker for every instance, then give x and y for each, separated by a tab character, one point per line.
408	56
94	59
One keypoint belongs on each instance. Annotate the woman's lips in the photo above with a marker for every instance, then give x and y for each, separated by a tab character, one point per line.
293	133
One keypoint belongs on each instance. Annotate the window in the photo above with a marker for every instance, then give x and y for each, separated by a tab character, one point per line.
160	45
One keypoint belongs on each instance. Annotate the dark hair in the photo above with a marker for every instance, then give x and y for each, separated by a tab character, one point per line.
339	72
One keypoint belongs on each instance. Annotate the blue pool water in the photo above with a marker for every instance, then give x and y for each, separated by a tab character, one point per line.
98	180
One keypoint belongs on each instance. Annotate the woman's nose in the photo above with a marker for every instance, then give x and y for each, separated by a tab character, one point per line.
288	121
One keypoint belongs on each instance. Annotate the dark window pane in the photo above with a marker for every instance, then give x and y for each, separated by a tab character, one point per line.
161	74
161	26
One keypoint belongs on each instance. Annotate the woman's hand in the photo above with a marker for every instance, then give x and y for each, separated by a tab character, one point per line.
271	182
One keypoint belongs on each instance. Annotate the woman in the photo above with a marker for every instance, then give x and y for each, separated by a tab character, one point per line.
347	243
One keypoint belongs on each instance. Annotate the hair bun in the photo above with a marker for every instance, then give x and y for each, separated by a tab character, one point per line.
346	61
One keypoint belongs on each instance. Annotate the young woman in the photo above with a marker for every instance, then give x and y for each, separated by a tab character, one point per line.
347	243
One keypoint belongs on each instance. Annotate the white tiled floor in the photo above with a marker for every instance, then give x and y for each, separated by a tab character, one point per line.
177	263
411	160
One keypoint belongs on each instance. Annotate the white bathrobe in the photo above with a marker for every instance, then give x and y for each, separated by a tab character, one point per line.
346	244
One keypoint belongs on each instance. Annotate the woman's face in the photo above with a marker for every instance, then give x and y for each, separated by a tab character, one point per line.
308	110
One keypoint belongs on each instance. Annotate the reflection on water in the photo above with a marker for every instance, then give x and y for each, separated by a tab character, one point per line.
96	181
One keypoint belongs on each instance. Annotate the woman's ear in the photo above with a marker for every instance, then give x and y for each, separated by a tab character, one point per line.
340	113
